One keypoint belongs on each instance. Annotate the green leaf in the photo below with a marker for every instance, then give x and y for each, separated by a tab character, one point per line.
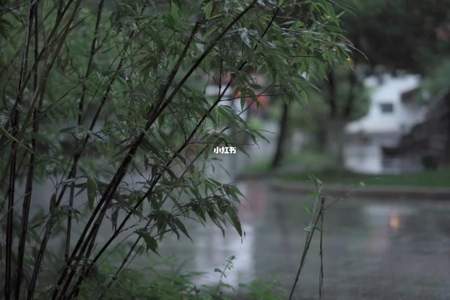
207	9
181	226
114	218
91	192
150	242
174	15
13	139
231	211
199	211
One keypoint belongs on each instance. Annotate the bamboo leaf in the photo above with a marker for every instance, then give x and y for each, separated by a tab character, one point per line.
182	227
150	242
91	192
235	220
13	139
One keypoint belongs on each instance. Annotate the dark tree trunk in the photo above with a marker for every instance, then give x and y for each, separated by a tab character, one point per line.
332	95
335	141
335	125
350	104
447	158
282	136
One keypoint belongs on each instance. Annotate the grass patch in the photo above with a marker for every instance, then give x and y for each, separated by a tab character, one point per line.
257	168
307	160
309	164
166	280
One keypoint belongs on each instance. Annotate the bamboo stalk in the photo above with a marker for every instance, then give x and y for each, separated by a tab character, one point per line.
93	51
13	159
41	88
30	175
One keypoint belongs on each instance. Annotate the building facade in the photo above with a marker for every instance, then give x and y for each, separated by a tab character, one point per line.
393	112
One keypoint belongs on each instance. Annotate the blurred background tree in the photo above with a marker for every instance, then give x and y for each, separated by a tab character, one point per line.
388	36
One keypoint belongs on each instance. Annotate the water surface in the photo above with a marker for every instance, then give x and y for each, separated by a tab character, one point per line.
373	248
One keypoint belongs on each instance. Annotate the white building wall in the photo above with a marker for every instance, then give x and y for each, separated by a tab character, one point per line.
381	127
363	157
388	90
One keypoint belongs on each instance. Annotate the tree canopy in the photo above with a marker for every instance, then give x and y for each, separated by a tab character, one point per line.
408	35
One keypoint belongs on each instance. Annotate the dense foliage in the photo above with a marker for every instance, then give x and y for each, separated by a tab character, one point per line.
105	101
400	35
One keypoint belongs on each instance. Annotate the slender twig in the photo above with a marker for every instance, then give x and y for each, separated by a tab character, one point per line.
321	276
318	215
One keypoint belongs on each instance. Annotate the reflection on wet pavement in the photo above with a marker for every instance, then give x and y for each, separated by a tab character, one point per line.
374	249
